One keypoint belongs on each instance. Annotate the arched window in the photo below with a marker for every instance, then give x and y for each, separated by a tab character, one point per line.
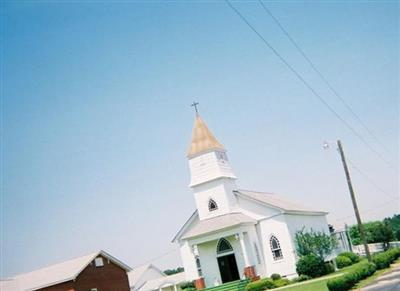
224	246
212	205
275	248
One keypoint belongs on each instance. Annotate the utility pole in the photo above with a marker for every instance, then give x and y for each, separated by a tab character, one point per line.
353	199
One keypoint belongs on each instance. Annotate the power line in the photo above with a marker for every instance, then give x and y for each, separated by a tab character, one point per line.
394	198
370	180
323	78
319	97
369	209
160	256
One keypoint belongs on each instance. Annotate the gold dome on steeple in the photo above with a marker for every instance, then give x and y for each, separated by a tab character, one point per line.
202	139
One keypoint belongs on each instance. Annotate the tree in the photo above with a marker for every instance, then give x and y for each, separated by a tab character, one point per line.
314	242
394	224
384	234
375	232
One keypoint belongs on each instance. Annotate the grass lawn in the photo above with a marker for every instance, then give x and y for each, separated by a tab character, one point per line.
311	286
318	284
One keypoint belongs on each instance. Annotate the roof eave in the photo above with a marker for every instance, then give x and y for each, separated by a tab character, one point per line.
306	212
223	228
258	201
107	256
179	235
288	211
191	155
233	177
116	261
51	284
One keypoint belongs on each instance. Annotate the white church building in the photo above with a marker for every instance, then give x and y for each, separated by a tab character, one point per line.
236	233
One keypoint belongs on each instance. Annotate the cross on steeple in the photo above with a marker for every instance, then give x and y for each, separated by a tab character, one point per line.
194	104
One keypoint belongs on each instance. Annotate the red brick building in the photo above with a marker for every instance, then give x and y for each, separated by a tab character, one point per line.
95	272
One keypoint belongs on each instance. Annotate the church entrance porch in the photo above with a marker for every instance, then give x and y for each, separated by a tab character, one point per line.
222	257
227	265
228	268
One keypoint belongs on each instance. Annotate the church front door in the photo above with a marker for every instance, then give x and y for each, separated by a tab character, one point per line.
228	268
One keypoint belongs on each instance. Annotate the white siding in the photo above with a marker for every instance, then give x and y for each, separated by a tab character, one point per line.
189	262
255	209
298	222
254	250
207	167
277	226
221	191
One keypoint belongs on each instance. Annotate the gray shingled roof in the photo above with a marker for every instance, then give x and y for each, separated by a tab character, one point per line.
277	201
218	223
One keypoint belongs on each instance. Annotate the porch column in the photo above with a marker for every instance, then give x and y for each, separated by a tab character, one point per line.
199	283
175	288
249	270
244	250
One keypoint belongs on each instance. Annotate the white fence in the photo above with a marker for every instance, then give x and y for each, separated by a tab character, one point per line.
374	248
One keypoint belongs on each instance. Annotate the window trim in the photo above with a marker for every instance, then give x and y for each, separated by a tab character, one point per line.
212	205
99	262
224	252
277	249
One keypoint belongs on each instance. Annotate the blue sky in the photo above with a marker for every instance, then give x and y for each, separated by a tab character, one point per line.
96	117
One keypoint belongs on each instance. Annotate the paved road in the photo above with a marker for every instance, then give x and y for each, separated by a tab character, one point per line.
388	282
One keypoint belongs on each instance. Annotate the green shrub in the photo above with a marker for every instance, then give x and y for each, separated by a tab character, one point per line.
347	281
329	268
186	285
281	282
352	256
260	285
301	278
310	265
275	277
338	284
363	271
394	253
342	261
383	260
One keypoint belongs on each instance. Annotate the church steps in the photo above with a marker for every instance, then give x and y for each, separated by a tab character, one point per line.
238	285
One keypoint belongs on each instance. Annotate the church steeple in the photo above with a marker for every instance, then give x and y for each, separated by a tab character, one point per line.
212	179
202	139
